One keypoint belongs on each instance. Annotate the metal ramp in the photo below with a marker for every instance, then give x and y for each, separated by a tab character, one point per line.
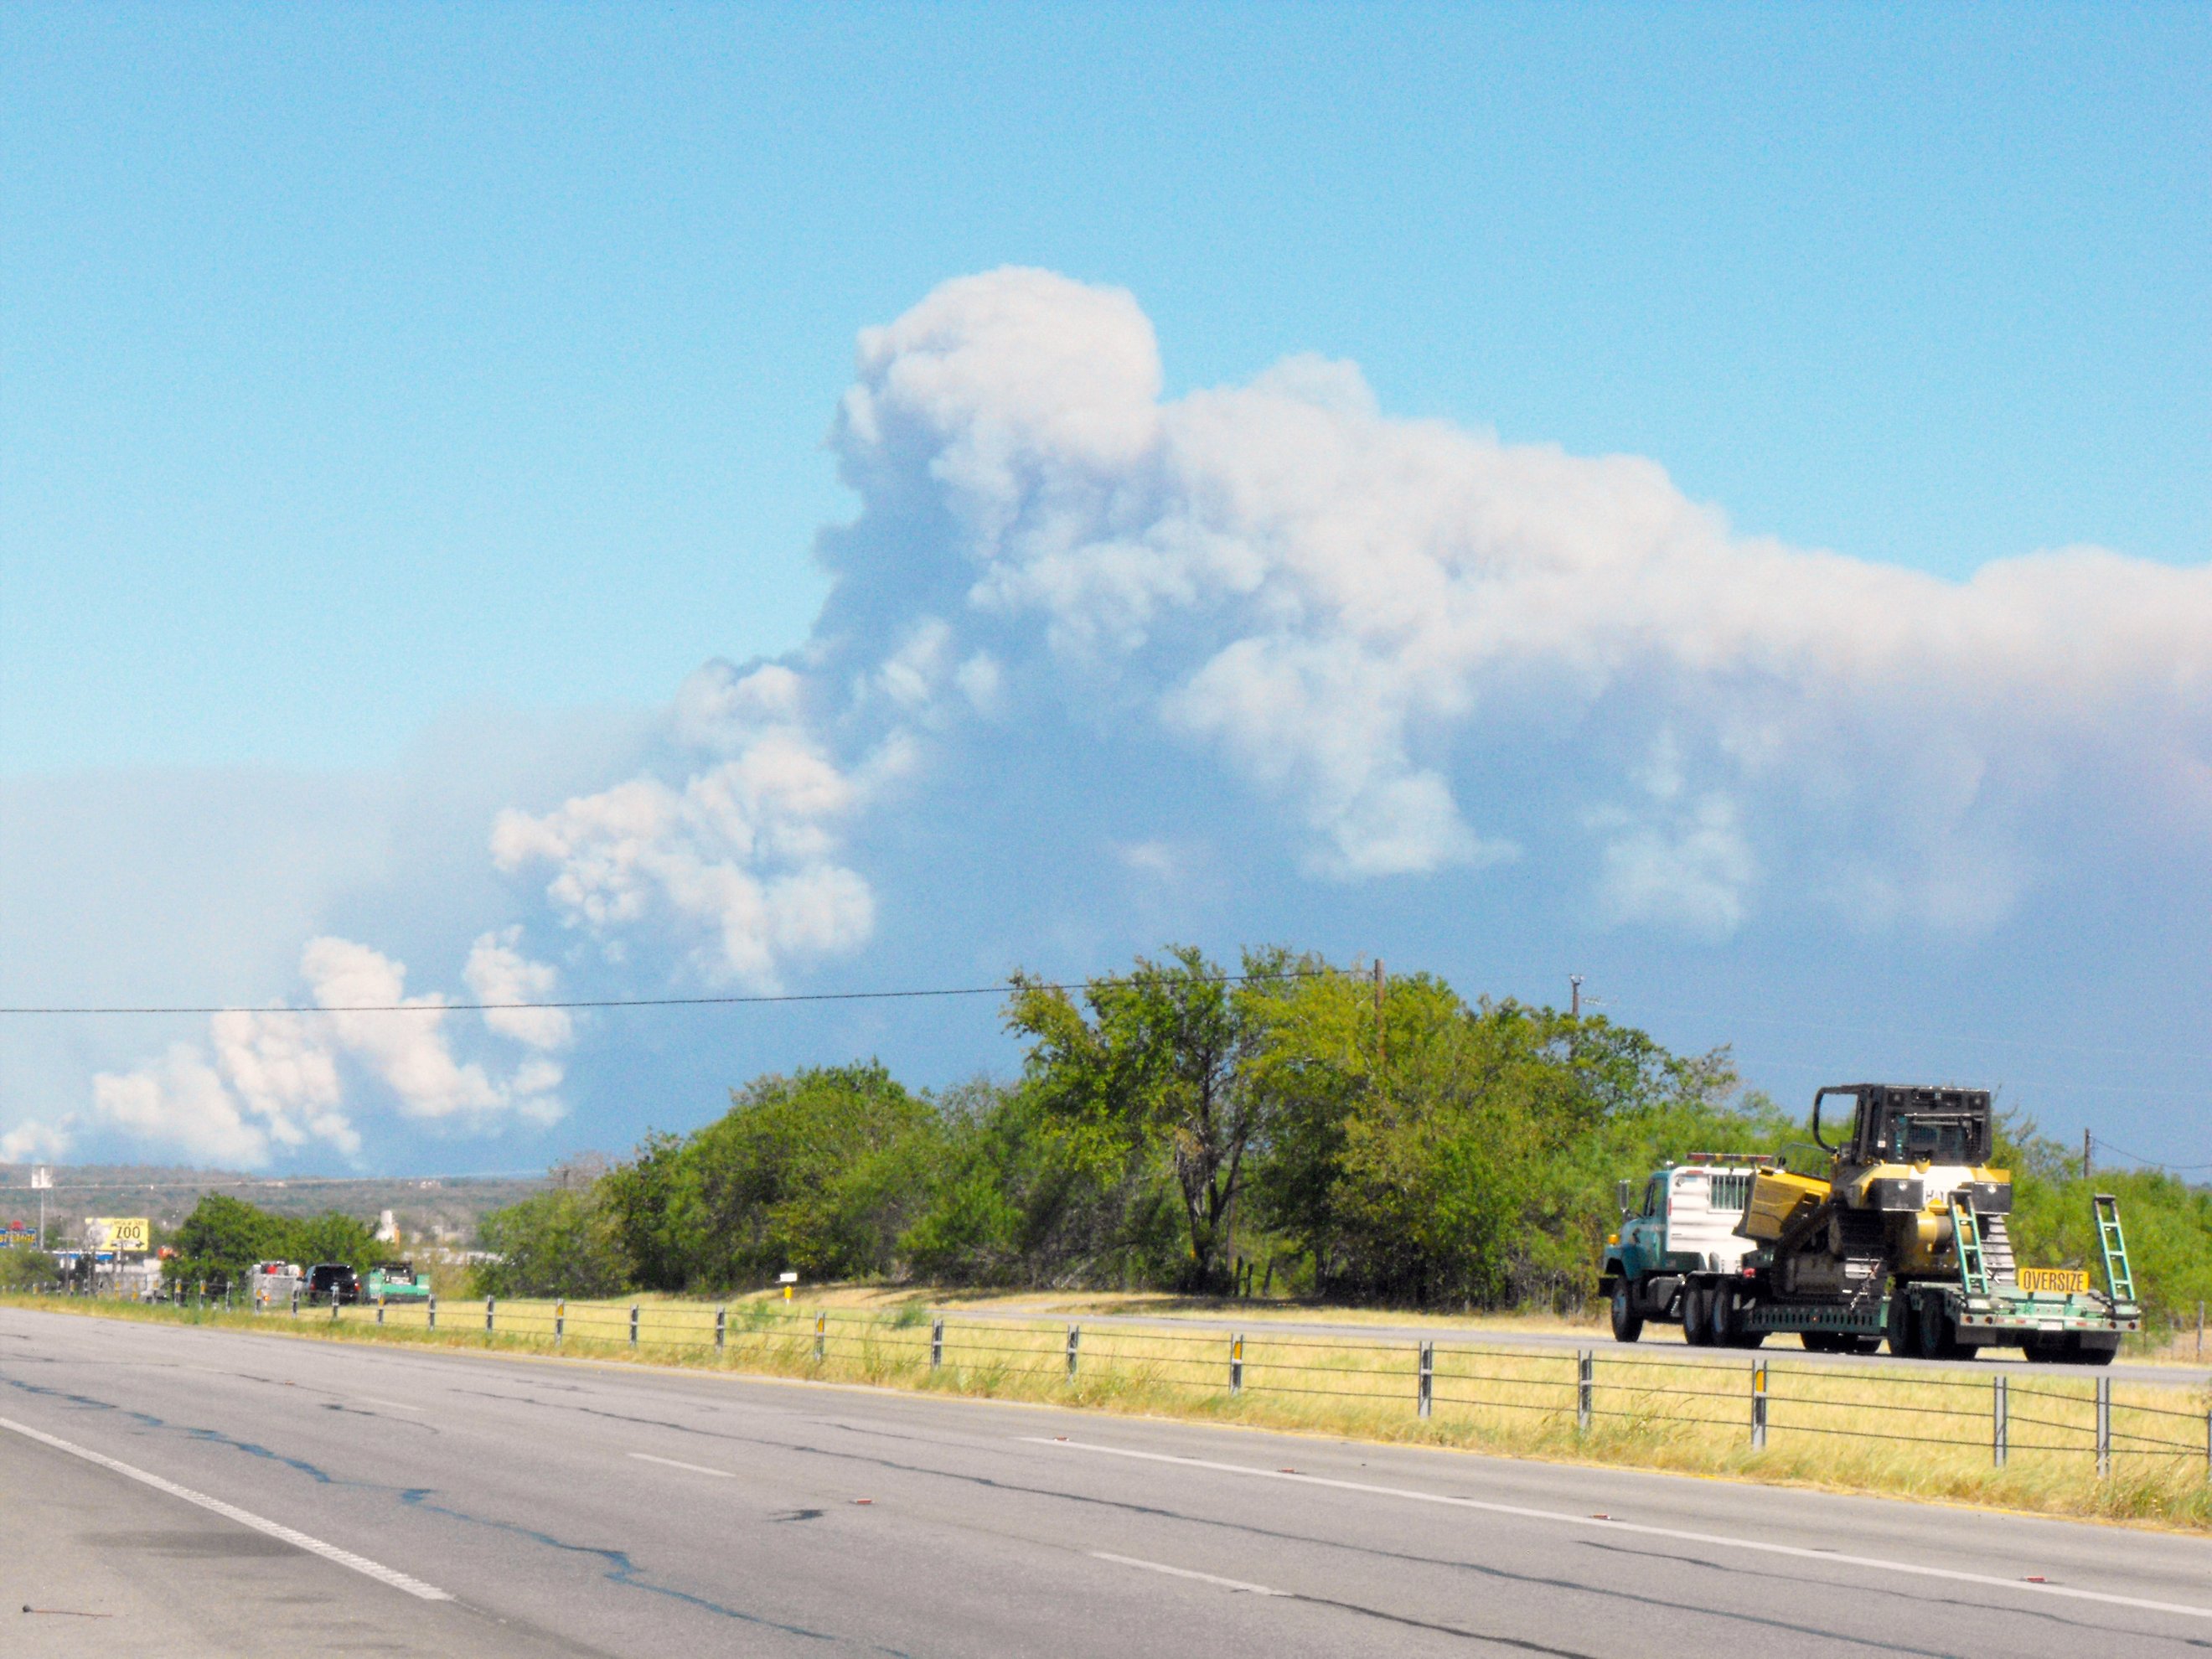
1966	1235
2119	1280
1996	1249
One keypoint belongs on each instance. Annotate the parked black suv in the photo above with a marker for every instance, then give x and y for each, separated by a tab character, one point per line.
329	1278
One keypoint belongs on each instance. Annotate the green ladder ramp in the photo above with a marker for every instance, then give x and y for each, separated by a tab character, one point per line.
1967	1235
2119	1279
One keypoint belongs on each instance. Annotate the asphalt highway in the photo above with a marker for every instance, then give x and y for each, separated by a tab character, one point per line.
173	1491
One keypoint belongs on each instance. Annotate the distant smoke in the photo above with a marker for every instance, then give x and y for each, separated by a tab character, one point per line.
272	1081
1412	637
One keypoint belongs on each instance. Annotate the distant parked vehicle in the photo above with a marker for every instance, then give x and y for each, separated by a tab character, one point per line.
272	1283
331	1280
394	1281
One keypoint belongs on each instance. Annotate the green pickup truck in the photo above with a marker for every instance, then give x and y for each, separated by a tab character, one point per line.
393	1281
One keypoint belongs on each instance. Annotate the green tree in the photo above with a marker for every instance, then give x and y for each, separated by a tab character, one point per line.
564	1242
222	1239
816	1173
1155	1064
22	1268
1443	1153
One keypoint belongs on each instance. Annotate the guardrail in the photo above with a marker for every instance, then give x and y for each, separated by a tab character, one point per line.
1763	1399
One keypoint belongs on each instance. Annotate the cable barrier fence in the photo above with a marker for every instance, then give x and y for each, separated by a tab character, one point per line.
2003	1416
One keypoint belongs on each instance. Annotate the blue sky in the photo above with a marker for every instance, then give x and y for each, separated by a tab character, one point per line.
397	405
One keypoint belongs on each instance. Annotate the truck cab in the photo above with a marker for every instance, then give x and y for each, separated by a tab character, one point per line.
1683	1224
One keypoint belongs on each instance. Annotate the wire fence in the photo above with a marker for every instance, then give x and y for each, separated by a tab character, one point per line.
1757	1399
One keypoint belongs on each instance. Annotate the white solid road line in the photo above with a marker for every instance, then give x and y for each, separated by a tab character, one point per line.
1720	1541
389	1404
1184	1572
696	1469
360	1564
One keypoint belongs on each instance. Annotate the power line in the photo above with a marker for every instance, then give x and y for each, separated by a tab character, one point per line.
2105	1145
427	1008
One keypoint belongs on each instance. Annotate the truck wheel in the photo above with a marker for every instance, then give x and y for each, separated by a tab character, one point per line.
1819	1341
1627	1323
1697	1317
1939	1337
1903	1328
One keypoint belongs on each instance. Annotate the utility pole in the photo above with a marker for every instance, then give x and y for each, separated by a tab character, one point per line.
42	1178
1574	996
1380	1054
2085	1155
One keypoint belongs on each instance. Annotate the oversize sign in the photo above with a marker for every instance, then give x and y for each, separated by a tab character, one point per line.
2071	1280
124	1235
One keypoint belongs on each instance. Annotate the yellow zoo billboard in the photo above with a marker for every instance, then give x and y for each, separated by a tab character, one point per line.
124	1235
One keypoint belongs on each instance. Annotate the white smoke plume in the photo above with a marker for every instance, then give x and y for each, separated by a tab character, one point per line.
273	1081
1420	642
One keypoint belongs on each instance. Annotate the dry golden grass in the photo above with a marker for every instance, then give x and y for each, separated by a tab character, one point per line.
1916	1432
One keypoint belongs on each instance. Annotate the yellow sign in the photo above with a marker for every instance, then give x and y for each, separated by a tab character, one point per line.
124	1235
2069	1280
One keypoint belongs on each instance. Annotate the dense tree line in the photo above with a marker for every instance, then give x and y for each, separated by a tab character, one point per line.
1166	1125
1174	1122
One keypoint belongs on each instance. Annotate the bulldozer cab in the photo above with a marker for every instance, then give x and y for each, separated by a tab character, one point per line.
1895	1124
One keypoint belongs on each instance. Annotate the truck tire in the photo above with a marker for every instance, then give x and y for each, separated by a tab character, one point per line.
1939	1334
1627	1323
1903	1328
1819	1341
1728	1321
1697	1316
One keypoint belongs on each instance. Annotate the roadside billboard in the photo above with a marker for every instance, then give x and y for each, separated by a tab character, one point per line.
124	1235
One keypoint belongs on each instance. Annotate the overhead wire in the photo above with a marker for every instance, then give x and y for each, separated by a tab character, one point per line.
434	1007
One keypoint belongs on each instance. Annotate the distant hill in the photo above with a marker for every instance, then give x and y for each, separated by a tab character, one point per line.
427	1207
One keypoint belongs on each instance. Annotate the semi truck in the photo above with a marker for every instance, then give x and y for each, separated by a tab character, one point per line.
1905	1240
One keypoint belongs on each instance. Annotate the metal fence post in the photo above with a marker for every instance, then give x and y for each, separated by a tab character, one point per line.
1074	1341
1237	1362
559	1320
721	1328
334	1307
431	1308
1424	1391
295	1302
937	1342
821	1336
1758	1405
1585	1388
2104	1426
487	1316
379	1311
1999	1423
633	1324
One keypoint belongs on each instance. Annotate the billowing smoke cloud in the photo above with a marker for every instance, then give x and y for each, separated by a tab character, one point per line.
1304	639
273	1081
1423	644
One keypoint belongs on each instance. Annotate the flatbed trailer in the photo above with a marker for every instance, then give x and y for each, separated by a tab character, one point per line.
2049	1314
